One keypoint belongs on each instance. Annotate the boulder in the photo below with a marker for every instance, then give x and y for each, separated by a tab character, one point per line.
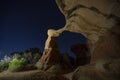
82	54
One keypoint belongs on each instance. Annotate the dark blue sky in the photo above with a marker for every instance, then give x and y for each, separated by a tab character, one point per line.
24	23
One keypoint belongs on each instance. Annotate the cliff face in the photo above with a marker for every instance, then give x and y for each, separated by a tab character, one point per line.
98	21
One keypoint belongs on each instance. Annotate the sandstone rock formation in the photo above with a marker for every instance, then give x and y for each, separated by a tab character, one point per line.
52	60
66	60
82	54
108	46
105	61
90	18
51	54
67	63
98	22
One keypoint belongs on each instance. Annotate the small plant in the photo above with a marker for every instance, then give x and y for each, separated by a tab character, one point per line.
17	64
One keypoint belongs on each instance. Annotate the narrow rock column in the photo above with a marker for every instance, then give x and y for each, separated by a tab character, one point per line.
51	54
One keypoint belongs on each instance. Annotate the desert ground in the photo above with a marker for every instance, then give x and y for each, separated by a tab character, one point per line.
33	75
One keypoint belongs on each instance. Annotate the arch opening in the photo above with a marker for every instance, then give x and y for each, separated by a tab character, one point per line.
75	46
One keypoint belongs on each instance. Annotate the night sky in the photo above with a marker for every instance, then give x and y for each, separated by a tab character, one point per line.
24	25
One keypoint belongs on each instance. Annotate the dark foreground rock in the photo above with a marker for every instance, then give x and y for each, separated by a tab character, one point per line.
82	54
105	61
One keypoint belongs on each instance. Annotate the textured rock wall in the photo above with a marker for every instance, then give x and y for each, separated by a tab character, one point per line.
89	17
98	21
51	54
51	60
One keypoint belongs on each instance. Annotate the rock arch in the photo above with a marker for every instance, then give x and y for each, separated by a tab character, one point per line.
99	22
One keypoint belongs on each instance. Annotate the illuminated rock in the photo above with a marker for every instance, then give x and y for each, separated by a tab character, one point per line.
51	54
98	22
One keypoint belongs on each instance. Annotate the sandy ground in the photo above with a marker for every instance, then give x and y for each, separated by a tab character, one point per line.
69	75
28	75
6	75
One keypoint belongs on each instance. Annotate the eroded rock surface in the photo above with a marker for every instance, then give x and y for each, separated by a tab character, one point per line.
108	46
51	54
98	22
89	17
52	60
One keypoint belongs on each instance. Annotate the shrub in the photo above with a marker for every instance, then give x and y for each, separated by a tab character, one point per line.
17	64
1	67
18	60
32	55
16	55
4	63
